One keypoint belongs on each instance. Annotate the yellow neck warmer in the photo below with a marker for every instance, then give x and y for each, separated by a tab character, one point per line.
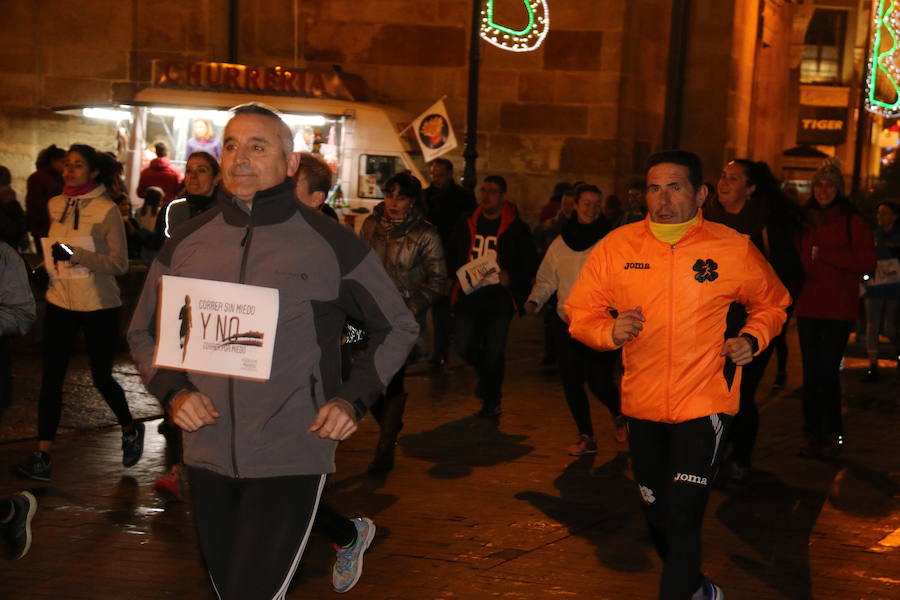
670	233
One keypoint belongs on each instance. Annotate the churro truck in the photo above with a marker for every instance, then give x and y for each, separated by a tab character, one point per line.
187	107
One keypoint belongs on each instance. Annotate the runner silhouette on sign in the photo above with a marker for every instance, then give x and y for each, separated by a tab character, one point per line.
185	333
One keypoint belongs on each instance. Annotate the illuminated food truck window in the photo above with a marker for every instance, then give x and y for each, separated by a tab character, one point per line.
374	171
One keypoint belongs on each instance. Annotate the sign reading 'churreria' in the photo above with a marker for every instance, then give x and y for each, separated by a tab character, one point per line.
215	76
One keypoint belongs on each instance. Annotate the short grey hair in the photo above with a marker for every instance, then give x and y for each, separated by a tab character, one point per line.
263	110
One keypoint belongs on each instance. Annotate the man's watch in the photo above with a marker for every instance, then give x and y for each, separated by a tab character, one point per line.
754	343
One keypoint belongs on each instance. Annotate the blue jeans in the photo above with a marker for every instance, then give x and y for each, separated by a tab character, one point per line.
480	339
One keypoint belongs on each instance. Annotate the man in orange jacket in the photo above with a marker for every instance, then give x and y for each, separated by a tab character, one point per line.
661	289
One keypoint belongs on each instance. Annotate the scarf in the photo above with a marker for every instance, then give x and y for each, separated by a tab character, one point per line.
581	236
670	233
78	190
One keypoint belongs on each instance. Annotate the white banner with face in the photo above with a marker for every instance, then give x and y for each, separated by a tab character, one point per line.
215	327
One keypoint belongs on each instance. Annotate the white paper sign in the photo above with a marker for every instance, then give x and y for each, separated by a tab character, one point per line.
216	327
887	271
64	269
478	273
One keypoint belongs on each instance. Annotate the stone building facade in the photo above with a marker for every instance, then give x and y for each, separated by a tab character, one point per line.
589	105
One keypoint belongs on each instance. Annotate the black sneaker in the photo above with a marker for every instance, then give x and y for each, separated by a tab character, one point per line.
489	411
17	533
35	467
133	445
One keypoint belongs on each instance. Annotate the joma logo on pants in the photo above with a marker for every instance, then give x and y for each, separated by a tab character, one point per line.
690	478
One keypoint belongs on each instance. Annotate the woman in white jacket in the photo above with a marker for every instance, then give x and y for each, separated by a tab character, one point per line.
577	363
85	250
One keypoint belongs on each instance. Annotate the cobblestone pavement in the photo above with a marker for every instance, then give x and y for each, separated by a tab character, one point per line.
475	510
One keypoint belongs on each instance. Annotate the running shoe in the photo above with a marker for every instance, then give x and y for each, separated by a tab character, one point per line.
489	411
831	446
133	445
349	564
17	532
170	484
584	445
35	467
708	591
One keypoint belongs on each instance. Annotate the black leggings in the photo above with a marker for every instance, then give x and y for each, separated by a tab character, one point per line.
101	332
579	364
674	464
822	344
252	532
746	421
334	526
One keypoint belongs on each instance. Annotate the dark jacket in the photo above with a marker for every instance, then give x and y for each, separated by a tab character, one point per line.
43	184
324	274
516	254
775	235
412	255
445	208
845	251
160	174
12	218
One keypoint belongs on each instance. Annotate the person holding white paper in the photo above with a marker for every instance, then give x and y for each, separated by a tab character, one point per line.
84	250
258	448
883	289
494	258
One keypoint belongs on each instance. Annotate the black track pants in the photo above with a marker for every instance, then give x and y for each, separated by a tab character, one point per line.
674	465
253	532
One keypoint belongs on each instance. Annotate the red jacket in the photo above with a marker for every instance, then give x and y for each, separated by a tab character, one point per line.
43	184
673	370
846	251
160	174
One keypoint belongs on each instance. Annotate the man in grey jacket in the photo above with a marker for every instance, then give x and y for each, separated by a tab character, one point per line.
257	452
17	313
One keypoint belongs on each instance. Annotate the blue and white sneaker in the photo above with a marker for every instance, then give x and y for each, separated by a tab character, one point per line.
708	591
349	564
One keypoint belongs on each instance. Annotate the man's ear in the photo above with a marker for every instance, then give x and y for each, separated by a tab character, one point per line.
318	198
701	196
293	163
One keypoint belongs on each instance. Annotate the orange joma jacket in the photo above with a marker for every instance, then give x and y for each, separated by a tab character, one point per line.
673	371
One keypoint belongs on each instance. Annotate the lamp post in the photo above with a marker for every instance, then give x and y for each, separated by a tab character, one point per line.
504	37
470	154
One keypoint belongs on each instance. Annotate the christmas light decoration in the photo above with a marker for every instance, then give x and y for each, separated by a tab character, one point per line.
882	87
526	39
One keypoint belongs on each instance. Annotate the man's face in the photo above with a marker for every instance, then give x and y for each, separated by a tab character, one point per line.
491	197
440	175
252	156
670	196
885	217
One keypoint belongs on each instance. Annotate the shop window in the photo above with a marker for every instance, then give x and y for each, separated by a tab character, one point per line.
823	47
374	171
